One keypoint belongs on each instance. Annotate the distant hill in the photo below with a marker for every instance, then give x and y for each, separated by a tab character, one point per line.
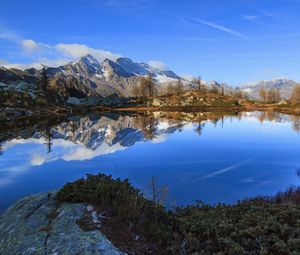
284	85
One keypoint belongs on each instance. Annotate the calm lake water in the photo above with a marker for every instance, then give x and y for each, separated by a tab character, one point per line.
204	157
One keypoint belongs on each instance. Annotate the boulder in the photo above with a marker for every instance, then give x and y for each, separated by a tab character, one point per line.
156	102
38	225
93	100
282	102
12	112
74	101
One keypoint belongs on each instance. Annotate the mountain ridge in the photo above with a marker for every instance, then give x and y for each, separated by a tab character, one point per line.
284	85
88	77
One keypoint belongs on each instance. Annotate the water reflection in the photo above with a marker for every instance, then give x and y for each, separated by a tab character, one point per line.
209	156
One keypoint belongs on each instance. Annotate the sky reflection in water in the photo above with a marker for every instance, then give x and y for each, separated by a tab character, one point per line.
211	161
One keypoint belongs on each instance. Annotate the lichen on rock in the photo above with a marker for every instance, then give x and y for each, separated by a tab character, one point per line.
39	225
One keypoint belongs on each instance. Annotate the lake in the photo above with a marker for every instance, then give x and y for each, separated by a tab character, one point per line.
199	156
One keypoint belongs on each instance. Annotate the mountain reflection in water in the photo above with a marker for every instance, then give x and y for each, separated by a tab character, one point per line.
207	156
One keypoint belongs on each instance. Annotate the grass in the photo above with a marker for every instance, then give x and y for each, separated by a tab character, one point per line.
254	226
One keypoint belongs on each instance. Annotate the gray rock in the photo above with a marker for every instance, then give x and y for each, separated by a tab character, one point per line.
74	101
12	112
94	100
27	228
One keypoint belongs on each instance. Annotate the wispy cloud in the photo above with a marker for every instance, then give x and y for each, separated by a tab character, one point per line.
224	170
7	34
120	5
194	21
222	28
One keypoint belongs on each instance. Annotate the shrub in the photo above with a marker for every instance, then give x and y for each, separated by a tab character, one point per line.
123	201
254	226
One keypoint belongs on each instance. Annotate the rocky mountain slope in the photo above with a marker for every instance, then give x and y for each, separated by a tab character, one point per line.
284	85
88	77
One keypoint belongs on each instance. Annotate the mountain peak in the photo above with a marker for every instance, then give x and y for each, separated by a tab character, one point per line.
124	60
108	61
89	60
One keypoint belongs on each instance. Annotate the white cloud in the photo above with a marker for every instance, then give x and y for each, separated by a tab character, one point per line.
158	65
29	45
37	160
51	55
79	50
57	55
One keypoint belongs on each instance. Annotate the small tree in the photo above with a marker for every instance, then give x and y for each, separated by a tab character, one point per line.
222	90
263	94
277	95
135	91
296	123
179	86
170	89
271	96
198	84
44	79
148	87
158	194
1	150
295	97
214	88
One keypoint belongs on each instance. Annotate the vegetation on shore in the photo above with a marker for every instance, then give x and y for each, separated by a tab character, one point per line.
255	226
27	100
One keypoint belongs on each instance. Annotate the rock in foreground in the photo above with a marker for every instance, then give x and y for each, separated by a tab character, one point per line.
38	225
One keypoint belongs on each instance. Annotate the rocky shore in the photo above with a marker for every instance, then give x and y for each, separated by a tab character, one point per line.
39	225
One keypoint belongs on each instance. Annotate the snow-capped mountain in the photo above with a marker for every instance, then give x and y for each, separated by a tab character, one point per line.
88	77
284	85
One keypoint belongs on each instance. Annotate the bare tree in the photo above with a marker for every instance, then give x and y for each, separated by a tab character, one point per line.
135	90
1	150
263	94
170	88
198	84
270	96
158	194
148	87
295	97
214	88
179	86
296	123
277	95
273	96
199	128
222	90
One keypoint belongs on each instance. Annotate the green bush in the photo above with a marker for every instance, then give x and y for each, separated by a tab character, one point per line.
254	226
123	201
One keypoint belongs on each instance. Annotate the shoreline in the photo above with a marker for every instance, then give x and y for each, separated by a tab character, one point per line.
65	220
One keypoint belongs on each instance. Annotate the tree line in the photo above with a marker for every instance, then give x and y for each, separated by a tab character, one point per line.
146	87
269	95
274	96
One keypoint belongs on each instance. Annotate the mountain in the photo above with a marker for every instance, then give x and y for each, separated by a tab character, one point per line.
89	77
86	137
284	85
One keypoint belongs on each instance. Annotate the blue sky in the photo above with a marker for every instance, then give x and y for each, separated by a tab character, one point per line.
234	41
